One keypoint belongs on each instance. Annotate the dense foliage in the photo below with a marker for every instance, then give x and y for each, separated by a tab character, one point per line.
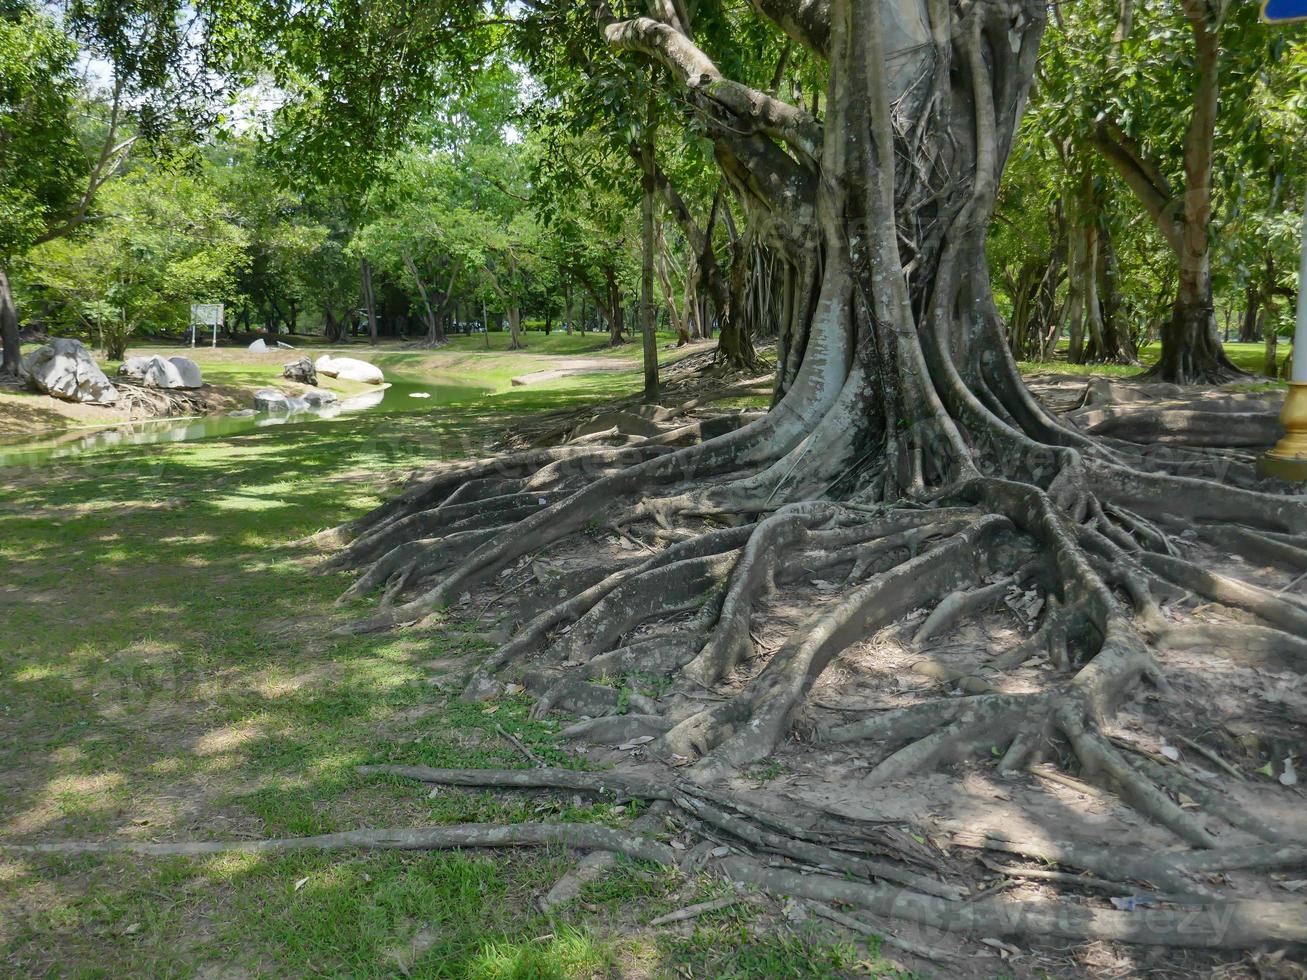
503	181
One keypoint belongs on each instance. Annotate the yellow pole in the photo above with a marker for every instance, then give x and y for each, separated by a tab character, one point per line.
1288	460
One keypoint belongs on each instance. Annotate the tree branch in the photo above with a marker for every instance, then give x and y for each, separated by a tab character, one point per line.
1149	185
804	21
696	71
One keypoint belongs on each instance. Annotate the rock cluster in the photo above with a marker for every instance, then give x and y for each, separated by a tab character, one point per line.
65	369
279	403
159	372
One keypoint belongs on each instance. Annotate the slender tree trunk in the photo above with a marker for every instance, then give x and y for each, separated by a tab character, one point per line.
1271	367
12	363
515	327
649	337
435	335
661	262
1250	326
1118	347
612	309
369	299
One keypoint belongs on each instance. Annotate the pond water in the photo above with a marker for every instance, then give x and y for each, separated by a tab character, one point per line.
396	396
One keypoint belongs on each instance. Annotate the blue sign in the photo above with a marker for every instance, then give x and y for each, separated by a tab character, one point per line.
1284	11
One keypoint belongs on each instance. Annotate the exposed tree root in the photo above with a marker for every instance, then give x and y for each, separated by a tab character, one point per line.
1223	925
579	835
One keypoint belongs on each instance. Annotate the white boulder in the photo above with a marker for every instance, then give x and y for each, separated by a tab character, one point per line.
65	369
350	369
158	372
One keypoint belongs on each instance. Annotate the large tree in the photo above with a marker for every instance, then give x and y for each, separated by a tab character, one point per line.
41	161
1166	153
903	448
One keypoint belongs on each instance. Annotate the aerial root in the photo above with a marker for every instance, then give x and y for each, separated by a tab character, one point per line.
1209	923
963	602
664	590
749	725
1050	637
1262	603
1144	531
1098	757
1242	643
412	560
1214	803
578	835
495	512
1256	546
1213	924
531	636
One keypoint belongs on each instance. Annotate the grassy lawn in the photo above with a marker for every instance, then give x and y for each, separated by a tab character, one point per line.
168	671
1248	357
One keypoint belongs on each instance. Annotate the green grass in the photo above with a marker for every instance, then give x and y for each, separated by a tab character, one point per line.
169	670
1247	357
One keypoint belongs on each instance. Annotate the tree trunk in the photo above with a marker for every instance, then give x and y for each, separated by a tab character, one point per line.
567	309
1191	343
612	308
432	317
369	299
515	327
1117	345
661	263
1250	325
12	363
649	339
1271	367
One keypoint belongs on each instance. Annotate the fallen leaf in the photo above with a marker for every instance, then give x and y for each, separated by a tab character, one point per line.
1293	886
514	688
1130	902
1171	752
1288	777
301	883
1004	949
131	930
636	742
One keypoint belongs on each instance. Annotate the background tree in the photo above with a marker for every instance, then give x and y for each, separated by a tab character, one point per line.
42	165
170	241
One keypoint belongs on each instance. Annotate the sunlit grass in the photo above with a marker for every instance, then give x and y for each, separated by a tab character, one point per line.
168	669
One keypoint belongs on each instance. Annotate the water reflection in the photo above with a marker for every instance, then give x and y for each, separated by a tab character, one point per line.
396	397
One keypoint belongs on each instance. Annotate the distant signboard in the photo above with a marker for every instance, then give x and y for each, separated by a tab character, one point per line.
209	314
1284	11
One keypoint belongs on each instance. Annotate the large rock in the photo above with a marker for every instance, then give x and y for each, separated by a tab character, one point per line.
158	372
65	369
271	400
274	402
317	399
189	370
301	371
350	369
